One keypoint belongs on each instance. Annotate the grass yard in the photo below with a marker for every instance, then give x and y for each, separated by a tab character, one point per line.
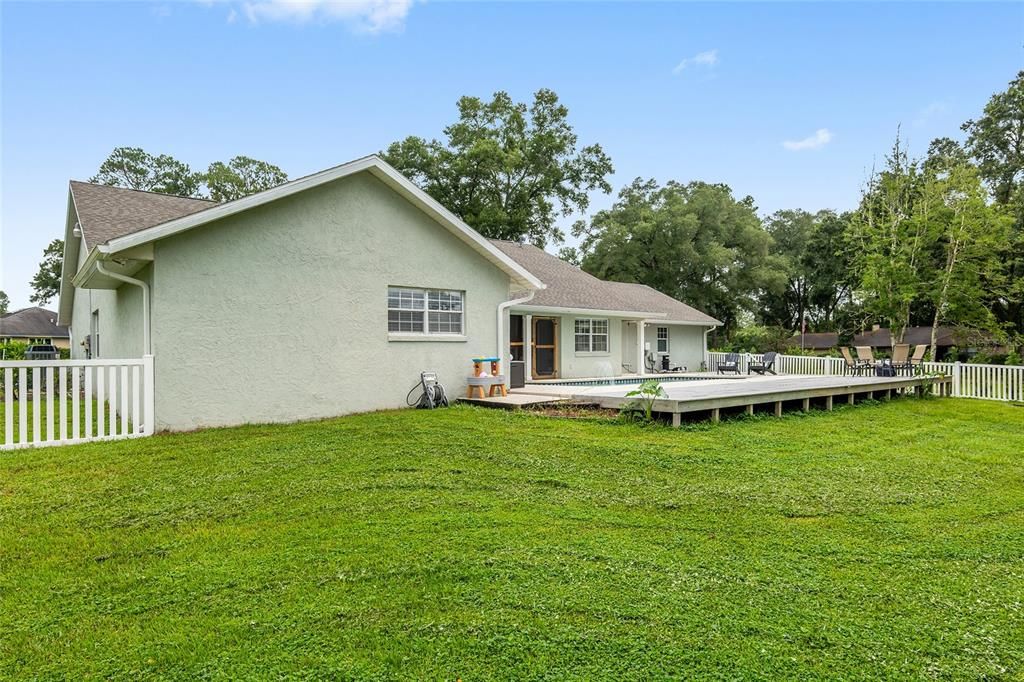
882	541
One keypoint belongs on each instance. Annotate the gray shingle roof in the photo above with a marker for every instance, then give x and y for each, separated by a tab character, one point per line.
814	340
32	323
570	287
106	213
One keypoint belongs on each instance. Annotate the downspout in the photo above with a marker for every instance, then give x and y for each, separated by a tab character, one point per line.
707	365
146	340
502	307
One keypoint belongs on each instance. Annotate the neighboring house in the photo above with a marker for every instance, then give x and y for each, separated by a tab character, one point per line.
819	342
880	339
32	326
330	294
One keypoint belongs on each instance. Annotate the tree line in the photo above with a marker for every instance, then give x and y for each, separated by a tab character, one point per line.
933	240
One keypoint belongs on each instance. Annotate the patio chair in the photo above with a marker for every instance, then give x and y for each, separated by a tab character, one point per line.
917	359
855	367
864	356
730	364
767	364
901	358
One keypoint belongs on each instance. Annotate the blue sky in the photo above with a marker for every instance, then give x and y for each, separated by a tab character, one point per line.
670	90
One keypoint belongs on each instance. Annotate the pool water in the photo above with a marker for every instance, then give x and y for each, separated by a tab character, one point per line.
619	381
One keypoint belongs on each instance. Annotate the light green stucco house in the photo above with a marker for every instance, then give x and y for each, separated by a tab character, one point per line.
329	294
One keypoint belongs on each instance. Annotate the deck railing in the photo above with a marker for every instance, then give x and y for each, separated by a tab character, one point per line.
58	402
987	382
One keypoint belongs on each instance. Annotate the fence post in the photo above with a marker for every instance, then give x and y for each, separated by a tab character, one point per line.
150	395
957	369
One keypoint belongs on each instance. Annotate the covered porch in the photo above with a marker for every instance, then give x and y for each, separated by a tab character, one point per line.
546	344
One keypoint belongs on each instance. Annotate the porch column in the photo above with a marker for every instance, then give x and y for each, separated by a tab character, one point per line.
527	345
641	367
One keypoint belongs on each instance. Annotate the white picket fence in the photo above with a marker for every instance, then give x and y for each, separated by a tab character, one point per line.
59	402
987	382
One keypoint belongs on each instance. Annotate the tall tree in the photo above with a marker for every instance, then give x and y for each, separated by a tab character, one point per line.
828	263
812	250
5	302
891	244
241	176
134	168
996	141
791	232
46	282
966	233
507	169
695	242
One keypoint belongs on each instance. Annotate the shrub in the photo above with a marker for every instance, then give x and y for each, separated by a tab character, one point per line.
13	350
644	396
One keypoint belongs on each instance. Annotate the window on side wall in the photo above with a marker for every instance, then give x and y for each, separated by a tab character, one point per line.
428	312
663	340
591	335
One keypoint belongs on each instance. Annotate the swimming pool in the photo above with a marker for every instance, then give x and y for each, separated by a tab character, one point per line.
619	381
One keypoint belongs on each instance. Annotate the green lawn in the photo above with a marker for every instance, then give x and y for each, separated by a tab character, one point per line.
881	541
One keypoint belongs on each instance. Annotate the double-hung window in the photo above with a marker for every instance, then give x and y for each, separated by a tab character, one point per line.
663	340
591	335
425	311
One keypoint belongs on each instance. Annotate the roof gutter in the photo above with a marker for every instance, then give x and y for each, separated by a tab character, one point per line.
564	310
147	341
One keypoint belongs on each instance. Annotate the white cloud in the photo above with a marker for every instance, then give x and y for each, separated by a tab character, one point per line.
364	16
820	138
707	59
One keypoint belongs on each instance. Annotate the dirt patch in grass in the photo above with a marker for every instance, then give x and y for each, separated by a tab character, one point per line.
573	410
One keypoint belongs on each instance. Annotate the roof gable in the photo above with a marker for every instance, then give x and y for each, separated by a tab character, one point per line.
106	213
180	215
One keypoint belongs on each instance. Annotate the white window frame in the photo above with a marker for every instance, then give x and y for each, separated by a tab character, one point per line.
424	309
665	350
583	328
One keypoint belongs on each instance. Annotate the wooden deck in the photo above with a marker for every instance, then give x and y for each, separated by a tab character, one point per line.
514	400
723	393
715	395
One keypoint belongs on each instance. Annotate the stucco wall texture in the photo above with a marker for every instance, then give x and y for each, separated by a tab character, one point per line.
280	313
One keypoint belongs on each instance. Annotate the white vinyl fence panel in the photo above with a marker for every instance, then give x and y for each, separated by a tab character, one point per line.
987	382
75	401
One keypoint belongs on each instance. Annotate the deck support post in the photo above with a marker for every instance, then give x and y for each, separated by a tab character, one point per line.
778	408
807	404
828	403
750	409
715	415
677	420
849	398
888	395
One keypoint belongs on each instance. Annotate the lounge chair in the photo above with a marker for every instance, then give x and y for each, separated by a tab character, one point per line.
900	358
767	365
855	367
917	359
730	364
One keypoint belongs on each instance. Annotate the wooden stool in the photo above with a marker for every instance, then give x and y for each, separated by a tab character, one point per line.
475	385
